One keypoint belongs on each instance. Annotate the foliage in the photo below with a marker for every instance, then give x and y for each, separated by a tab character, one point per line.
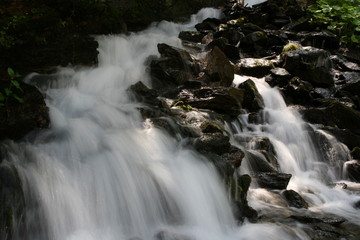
183	106
8	92
341	17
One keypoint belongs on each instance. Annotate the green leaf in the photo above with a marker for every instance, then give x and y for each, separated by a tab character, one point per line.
8	91
16	84
2	97
11	72
19	99
355	38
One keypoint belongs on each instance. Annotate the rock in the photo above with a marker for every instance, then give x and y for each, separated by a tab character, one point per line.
310	64
210	127
259	163
12	202
294	199
208	24
345	136
17	119
324	40
219	68
144	94
355	153
272	180
279	77
229	50
331	220
225	101
191	36
335	114
242	208
298	91
254	44
175	67
352	169
212	143
256	67
234	156
253	101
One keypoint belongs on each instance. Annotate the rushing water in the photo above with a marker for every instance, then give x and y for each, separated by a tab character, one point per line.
99	172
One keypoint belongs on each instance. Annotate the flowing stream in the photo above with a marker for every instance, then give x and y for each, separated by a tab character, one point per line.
99	172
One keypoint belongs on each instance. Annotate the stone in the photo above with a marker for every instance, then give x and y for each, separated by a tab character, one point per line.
144	94
310	64
294	199
324	40
208	24
355	153
298	91
219	68
18	119
191	36
352	169
272	180
212	143
255	67
253	101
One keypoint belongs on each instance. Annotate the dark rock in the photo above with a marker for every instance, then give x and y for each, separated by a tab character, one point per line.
279	77
335	114
298	91
172	128
259	163
334	221
210	127
310	64
144	94
219	68
234	156
208	24
12	202
253	101
17	119
355	153
273	180
243	210
294	199
191	36
212	143
256	67
225	101
352	169
254	44
345	136
324	40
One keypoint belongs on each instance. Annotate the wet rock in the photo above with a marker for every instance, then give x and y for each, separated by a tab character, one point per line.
278	77
273	180
298	91
12	203
310	64
191	36
345	136
355	153
331	220
144	94
234	156
253	101
256	67
17	119
219	68
208	24
229	50
212	143
259	163
242	208
294	199
266	148
254	44
324	40
335	114
225	101
352	169
210	127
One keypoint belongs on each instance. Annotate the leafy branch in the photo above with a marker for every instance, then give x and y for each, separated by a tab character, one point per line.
8	92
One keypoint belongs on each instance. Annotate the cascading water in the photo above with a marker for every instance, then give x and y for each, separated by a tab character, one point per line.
99	172
312	171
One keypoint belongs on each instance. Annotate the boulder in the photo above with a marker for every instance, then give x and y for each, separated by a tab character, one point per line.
352	169
253	101
192	36
144	94
212	143
294	199
256	67
355	153
323	39
12	202
224	100
272	180
310	64
278	77
254	44
335	114
219	68
17	118
297	91
209	24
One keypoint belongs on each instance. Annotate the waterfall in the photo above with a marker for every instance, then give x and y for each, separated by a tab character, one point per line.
313	171
100	172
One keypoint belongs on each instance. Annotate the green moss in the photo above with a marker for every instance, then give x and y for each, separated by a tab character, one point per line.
291	47
182	105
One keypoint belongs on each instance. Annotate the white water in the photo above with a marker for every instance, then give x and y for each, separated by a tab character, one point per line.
312	172
99	172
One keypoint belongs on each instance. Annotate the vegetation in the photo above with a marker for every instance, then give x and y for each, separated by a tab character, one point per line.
8	92
341	17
